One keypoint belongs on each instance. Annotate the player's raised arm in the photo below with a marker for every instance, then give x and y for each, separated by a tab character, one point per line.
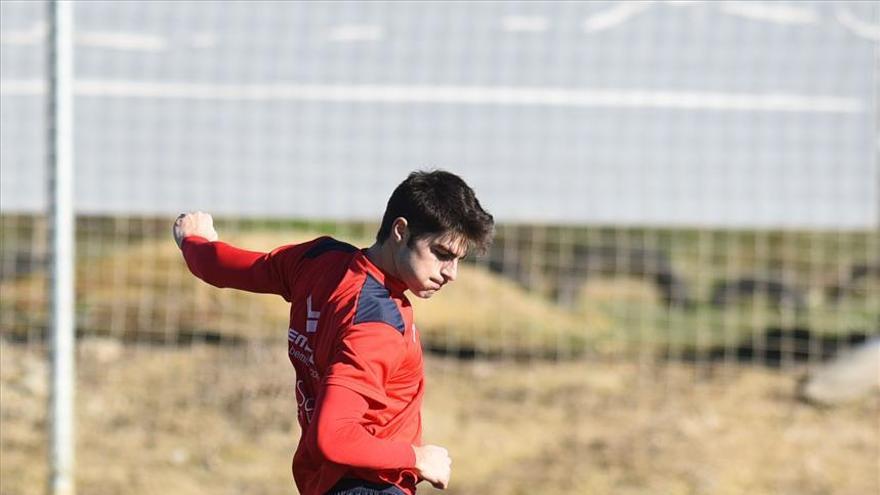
223	265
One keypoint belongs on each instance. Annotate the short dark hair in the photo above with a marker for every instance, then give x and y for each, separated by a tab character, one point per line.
437	202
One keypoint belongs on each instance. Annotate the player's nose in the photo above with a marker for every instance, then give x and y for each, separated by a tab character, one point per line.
450	271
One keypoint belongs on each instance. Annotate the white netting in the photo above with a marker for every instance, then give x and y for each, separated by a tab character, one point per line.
676	183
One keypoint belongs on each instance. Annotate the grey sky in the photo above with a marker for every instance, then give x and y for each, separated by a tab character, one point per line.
740	114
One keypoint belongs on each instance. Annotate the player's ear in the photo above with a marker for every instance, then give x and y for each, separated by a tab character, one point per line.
400	230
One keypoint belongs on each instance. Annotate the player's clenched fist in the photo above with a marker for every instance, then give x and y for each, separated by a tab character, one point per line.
433	464
197	223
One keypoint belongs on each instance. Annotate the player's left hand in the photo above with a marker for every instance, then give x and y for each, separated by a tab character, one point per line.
433	465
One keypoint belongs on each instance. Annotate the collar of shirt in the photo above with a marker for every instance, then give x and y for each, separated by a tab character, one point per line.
394	284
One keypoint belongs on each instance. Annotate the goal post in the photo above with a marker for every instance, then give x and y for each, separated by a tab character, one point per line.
61	211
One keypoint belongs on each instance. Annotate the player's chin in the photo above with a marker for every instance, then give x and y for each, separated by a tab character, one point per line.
425	293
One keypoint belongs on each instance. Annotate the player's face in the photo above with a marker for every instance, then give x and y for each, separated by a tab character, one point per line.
430	262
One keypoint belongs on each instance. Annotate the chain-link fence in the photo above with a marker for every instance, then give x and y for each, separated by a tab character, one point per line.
688	198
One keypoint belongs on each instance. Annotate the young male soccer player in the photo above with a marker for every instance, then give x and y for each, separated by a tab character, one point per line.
351	339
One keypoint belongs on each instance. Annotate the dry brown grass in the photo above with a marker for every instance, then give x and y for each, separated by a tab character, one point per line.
193	420
179	419
490	315
145	293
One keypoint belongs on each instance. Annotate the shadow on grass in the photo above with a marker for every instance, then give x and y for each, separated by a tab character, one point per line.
775	348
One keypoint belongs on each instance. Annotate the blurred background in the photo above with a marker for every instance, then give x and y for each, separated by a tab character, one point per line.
684	292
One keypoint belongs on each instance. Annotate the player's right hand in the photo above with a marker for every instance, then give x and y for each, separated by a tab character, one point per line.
196	223
433	464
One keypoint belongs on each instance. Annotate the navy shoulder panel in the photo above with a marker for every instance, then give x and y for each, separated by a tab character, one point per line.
329	244
375	304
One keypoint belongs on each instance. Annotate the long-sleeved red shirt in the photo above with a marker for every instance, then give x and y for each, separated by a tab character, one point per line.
355	349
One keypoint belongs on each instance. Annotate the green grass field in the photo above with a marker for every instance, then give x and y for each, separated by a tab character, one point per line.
132	284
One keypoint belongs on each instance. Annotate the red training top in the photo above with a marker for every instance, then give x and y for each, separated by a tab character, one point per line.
357	355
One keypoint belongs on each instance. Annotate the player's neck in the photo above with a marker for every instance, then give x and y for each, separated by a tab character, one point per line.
382	255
